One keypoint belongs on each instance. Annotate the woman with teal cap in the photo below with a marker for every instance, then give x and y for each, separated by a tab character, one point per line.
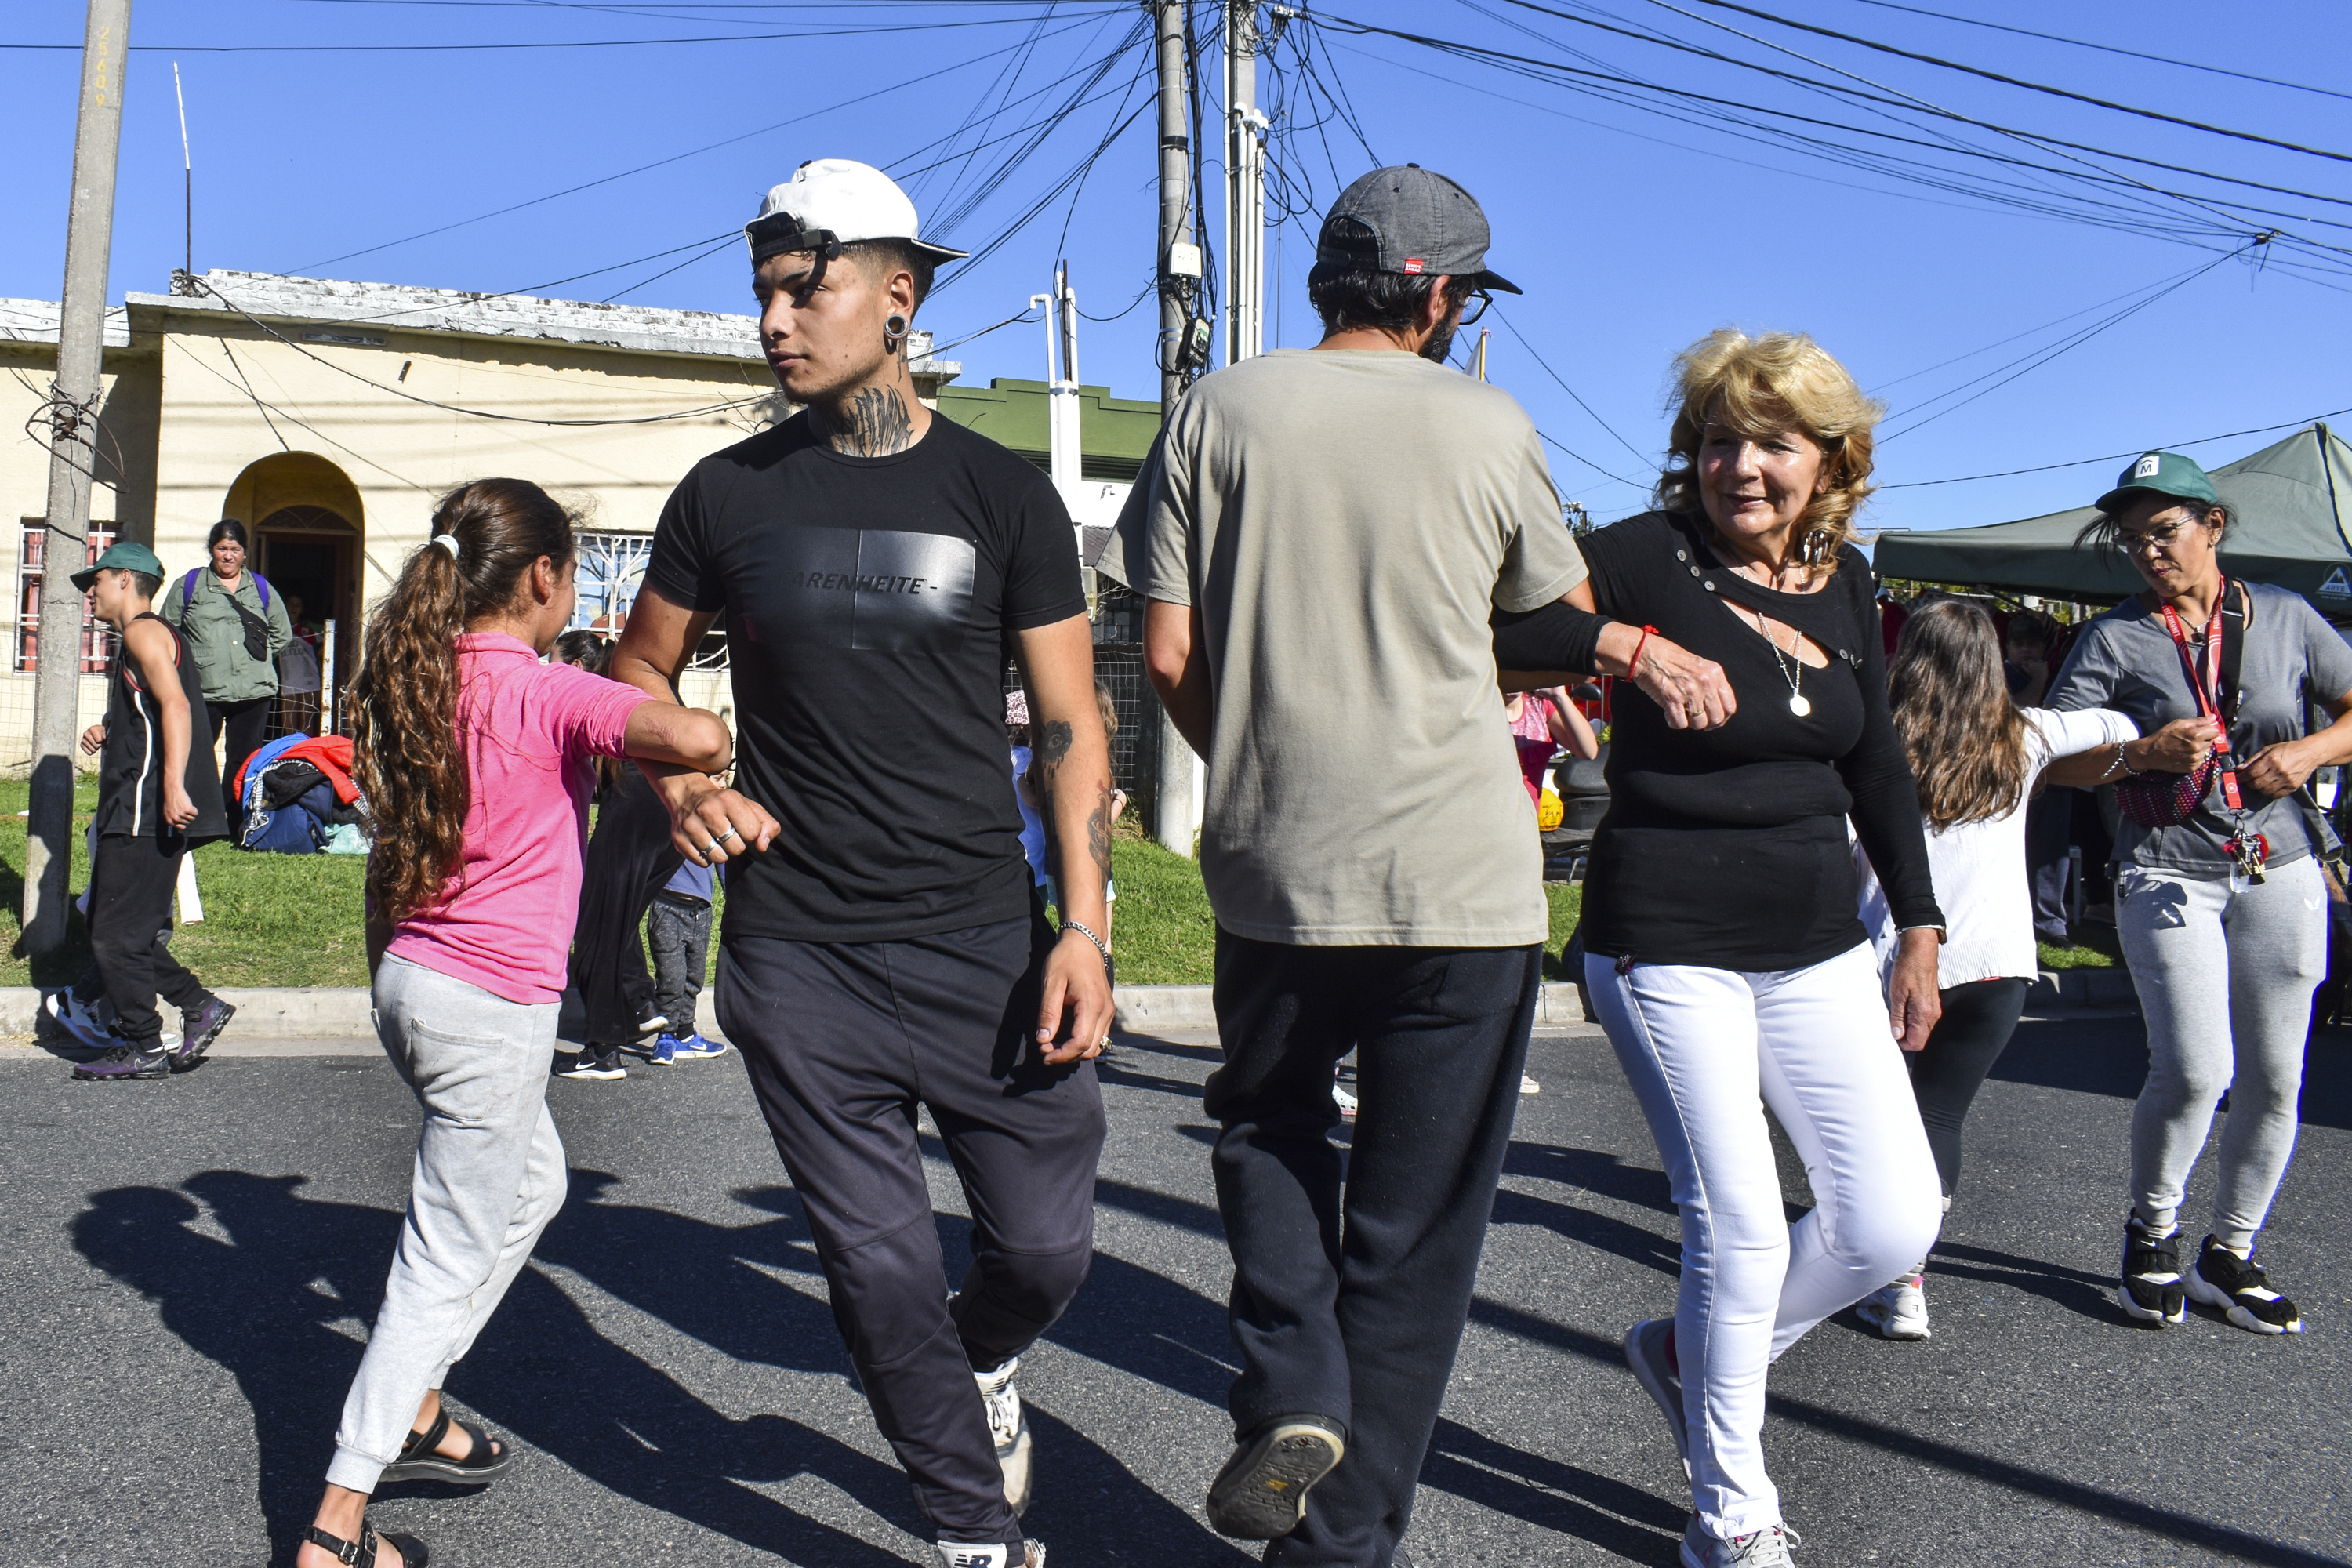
2219	898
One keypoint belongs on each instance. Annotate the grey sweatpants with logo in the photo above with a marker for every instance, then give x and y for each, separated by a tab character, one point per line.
2224	977
489	1176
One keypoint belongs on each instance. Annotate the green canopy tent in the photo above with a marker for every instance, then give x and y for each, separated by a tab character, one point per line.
2294	530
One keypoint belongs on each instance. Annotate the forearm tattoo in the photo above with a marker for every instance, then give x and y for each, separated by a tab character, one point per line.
874	424
1098	832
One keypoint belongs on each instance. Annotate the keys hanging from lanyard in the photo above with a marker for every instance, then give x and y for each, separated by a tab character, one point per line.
2208	703
2252	851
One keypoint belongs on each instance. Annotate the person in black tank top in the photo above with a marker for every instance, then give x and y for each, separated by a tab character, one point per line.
158	796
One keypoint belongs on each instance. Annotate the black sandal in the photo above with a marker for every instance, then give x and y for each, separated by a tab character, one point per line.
419	1458
361	1553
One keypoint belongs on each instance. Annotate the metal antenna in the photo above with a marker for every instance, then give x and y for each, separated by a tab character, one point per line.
188	172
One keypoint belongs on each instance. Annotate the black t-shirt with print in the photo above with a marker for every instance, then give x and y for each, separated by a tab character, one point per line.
870	607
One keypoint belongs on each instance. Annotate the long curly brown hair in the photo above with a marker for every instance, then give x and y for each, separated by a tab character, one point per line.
1966	739
407	727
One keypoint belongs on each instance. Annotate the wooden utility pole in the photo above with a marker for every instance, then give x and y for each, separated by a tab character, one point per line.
72	417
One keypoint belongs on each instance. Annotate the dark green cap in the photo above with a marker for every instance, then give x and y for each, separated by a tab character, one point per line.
123	556
2163	474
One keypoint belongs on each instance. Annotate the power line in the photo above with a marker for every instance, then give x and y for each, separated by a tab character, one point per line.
1593	466
674	158
537	43
2085	44
2042	357
2029	86
1639	456
2117	457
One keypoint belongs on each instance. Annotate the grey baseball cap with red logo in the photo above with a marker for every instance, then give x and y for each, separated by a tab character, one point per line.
1409	220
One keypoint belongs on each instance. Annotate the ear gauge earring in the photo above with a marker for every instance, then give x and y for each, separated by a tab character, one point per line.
894	330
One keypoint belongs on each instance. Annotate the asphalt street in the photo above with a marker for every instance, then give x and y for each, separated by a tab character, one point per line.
187	1268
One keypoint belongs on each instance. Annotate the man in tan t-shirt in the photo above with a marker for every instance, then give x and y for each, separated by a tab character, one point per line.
1334	544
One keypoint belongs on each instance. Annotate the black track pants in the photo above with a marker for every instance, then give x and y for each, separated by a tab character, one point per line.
130	886
629	859
1979	1018
1348	1300
842	1041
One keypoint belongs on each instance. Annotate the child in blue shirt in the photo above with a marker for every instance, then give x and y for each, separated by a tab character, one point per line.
678	928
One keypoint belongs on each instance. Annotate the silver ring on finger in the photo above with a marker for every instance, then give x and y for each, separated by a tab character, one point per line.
703	849
723	838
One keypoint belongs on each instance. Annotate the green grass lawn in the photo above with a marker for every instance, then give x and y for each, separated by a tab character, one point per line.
294	920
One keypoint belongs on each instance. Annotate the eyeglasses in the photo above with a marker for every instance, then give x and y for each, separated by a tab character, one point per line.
1474	306
2154	539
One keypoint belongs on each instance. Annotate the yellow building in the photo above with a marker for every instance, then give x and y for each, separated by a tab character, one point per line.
327	416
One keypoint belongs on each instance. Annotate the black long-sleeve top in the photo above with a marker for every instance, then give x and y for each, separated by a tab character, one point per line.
1727	848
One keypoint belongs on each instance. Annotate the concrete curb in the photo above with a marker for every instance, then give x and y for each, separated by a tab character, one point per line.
341	1012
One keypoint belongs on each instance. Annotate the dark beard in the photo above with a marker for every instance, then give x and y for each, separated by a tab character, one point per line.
1440	345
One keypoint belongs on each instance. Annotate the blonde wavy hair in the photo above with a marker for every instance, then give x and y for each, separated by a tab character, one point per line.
1760	386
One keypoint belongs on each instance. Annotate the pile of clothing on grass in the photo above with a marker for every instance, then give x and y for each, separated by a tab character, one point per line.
299	798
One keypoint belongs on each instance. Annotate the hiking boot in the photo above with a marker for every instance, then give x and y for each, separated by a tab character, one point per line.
597	1062
2151	1291
203	1026
2241	1289
1899	1311
123	1060
1261	1493
1650	1352
1010	1429
1765	1548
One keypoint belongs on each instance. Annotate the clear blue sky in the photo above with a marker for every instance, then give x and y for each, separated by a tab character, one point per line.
1633	229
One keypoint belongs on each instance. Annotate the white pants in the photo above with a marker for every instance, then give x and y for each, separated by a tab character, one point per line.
1699	1046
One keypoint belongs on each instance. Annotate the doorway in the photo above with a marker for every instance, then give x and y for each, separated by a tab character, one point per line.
310	556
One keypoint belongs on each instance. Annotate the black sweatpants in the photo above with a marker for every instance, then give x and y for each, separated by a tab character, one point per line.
130	886
1979	1018
842	1041
678	931
247	722
629	857
1349	1297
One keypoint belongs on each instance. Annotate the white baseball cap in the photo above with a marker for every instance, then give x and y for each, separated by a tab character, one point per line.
836	200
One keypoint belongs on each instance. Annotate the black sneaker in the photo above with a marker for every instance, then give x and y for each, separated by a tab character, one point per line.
2240	1288
201	1029
598	1062
1261	1494
2151	1291
127	1061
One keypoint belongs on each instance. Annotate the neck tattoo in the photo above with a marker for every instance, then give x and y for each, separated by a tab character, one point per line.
873	423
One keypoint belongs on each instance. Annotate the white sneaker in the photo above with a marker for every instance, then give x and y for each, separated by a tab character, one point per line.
1765	1548
1899	1311
81	1020
1010	1428
957	1554
1345	1101
1528	1085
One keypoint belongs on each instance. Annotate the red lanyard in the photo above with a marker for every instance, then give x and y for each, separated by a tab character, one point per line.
2209	706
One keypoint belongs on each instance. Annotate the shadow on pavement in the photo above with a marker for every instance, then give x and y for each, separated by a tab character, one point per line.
1639	1526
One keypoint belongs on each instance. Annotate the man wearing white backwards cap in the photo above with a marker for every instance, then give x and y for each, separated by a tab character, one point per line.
882	946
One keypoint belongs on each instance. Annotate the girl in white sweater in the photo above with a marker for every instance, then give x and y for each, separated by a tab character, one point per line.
1976	756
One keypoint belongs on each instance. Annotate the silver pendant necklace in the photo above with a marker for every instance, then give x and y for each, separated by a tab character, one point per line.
1799	703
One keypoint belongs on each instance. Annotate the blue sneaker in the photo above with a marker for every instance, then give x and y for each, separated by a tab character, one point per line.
694	1047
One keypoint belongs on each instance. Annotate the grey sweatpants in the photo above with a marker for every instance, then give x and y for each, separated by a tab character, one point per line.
489	1176
2225	980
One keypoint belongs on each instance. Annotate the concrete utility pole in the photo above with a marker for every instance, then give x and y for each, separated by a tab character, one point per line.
1177	810
1245	187
73	463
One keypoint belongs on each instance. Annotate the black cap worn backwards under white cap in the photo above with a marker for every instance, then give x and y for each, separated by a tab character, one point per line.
836	201
1407	219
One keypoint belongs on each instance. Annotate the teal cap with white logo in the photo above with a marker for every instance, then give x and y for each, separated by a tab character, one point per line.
124	555
2163	474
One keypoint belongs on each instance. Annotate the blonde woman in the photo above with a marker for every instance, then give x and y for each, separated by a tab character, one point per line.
1723	953
1977	755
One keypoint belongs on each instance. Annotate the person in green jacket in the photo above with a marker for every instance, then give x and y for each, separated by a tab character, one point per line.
235	623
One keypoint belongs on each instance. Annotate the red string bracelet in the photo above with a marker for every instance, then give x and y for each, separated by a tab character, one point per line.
1634	665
